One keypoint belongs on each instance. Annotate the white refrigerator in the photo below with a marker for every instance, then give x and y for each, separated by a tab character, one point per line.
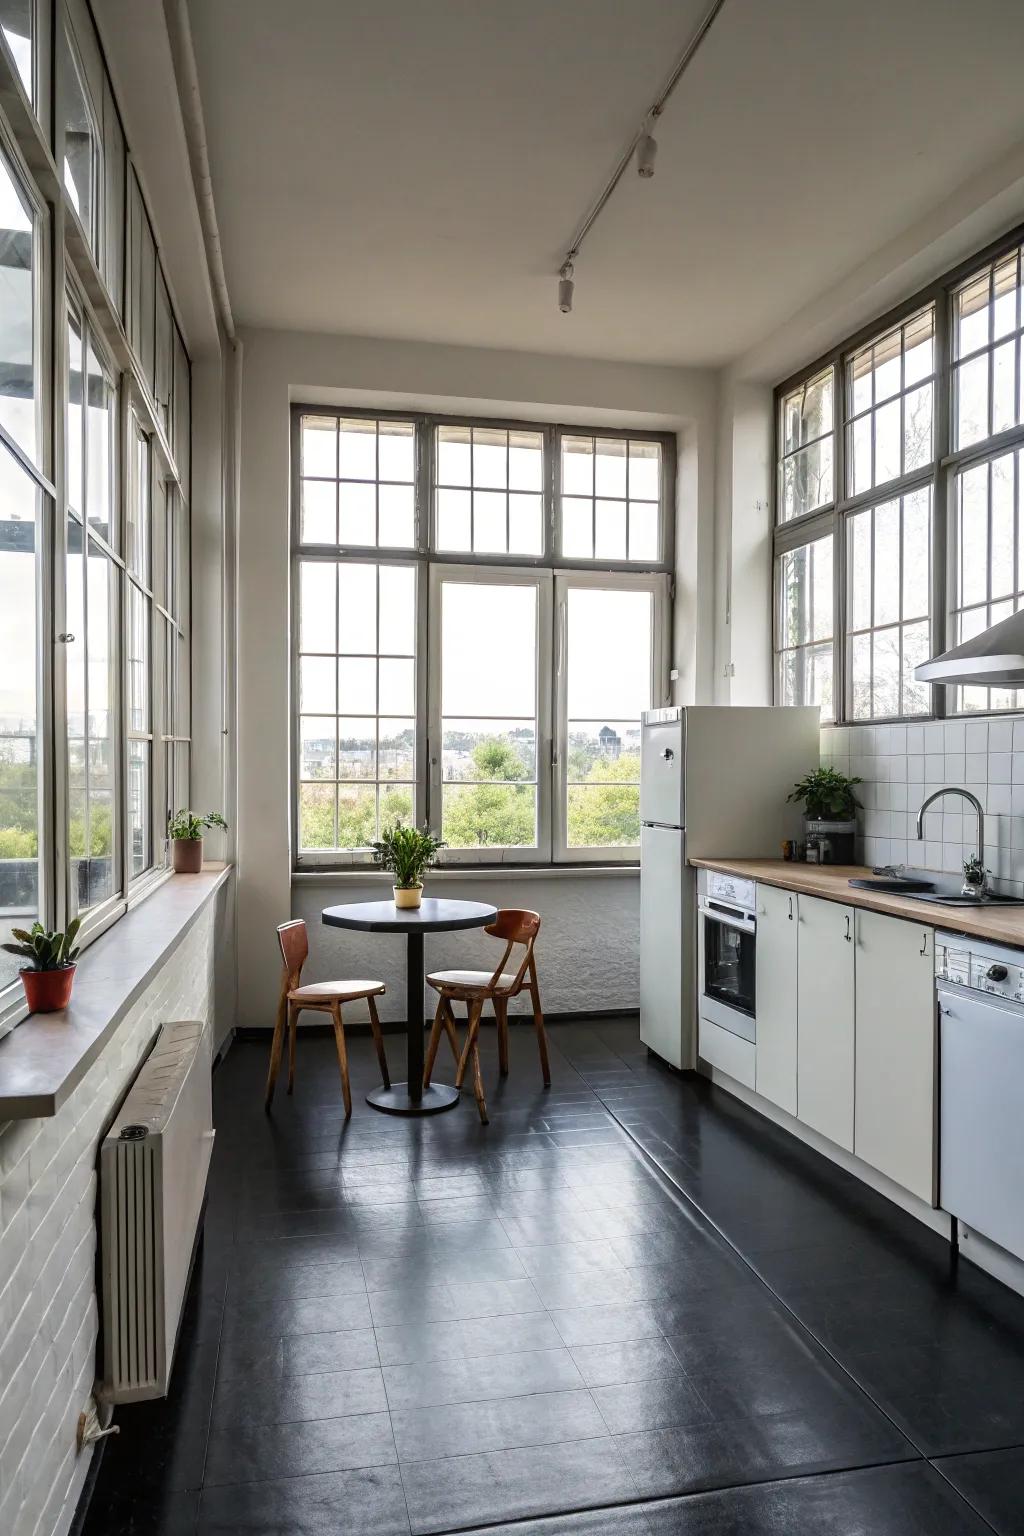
713	784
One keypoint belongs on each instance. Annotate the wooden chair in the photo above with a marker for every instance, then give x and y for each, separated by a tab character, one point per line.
475	988
322	997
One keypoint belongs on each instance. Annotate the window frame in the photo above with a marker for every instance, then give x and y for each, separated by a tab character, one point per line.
543	570
939	474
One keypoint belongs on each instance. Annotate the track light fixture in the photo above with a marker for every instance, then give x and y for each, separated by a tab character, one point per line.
643	146
565	288
646	152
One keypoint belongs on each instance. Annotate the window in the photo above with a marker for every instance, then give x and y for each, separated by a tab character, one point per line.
139	638
357	482
487	490
888	569
19	392
806	468
357	736
450	694
988	387
610	504
81	145
803	625
890	400
611	658
22	824
990	559
17	25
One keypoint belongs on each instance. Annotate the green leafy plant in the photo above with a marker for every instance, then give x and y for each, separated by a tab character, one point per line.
45	951
407	852
827	795
975	872
189	825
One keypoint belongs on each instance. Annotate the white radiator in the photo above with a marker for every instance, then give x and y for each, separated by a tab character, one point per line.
153	1167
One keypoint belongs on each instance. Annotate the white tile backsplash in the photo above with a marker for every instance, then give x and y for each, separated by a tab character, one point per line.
900	765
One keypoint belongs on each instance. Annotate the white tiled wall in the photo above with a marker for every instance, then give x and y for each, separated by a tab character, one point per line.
901	765
48	1306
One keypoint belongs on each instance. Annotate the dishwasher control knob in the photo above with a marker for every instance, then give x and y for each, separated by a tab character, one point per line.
997	973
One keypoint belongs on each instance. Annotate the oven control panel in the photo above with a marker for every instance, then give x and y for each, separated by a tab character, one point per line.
731	888
983	970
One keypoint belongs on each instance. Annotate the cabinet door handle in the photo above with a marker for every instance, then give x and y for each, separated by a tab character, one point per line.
849	935
791	909
924	944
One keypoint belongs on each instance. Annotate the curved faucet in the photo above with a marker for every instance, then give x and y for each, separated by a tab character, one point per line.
967	796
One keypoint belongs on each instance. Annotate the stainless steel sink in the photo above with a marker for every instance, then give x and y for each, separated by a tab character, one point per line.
994	899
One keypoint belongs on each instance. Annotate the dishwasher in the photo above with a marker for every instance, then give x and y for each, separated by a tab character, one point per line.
981	1123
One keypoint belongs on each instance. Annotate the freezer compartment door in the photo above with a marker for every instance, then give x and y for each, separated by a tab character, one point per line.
667	947
982	1126
662	755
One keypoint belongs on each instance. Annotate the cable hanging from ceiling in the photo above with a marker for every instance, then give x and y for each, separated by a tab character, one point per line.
643	146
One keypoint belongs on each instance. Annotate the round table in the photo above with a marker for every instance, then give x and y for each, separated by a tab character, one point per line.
432	916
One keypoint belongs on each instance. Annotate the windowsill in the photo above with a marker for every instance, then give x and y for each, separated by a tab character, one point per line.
44	1059
370	876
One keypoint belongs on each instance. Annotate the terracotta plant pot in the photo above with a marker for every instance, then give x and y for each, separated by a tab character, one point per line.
48	991
187	855
408	895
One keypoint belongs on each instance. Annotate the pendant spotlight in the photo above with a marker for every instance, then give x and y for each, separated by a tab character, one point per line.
643	146
646	152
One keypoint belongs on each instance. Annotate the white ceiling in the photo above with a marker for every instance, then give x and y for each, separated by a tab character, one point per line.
408	169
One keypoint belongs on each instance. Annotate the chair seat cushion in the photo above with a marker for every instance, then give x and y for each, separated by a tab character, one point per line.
469	981
335	991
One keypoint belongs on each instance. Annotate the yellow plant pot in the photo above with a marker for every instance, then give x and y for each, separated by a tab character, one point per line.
408	896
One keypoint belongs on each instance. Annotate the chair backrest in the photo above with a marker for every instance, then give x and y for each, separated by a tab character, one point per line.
294	942
516	926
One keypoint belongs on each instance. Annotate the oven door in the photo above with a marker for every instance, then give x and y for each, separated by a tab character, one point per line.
728	939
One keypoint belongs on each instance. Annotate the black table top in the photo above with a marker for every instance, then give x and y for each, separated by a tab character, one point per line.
431	916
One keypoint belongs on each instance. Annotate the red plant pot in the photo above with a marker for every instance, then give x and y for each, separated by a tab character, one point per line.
48	991
187	855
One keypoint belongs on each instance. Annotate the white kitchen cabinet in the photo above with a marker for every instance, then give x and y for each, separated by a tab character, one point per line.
894	1127
776	994
825	1018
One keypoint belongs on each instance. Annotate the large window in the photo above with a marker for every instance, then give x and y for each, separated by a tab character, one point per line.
917	500
496	699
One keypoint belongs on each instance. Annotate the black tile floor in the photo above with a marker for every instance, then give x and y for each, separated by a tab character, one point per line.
627	1307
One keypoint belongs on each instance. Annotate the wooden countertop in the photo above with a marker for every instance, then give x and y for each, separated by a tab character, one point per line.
831	882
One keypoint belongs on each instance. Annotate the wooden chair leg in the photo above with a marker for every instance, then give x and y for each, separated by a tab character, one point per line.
339	1040
501	1019
293	1030
378	1040
478	1081
276	1049
450	1030
538	1022
463	1062
434	1042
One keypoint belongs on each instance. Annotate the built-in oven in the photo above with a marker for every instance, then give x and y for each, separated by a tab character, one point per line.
728	939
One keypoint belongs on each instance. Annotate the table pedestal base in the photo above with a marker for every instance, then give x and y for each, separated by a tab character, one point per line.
397	1100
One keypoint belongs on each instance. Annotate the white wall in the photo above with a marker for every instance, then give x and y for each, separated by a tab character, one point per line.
280	367
48	1304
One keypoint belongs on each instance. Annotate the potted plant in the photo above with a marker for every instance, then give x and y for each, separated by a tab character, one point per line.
975	877
408	853
185	830
50	972
830	812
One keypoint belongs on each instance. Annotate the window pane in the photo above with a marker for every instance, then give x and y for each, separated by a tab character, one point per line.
18	387
20	741
319	446
320	512
79	146
807	412
807	479
139	818
609	639
16	24
989	393
493	515
804	624
989	560
92	687
488	715
889	430
364	469
889	584
101	418
357	700
138	659
138	502
76	389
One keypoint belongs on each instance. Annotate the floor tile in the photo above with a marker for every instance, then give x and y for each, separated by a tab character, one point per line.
605	1324
290	1399
370	1501
466	1491
437	1303
992	1482
606	1365
468	1338
257	1452
883	1501
431	1382
462	1429
116	1514
662	1402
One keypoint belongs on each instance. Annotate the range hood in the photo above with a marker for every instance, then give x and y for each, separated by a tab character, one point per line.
994	658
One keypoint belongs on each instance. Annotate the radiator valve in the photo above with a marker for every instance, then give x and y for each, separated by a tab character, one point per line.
90	1429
